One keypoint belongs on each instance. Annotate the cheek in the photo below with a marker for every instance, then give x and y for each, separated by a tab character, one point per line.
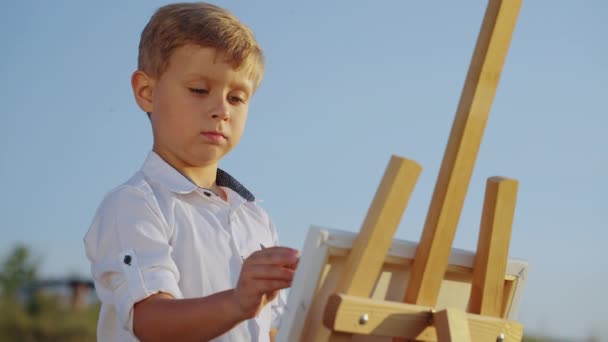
238	125
172	123
175	109
171	103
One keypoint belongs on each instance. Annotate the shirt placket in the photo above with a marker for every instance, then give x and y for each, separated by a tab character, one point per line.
228	210
231	226
234	226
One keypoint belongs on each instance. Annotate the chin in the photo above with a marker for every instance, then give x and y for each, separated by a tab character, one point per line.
204	155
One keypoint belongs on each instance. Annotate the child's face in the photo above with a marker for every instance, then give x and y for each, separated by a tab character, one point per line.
198	107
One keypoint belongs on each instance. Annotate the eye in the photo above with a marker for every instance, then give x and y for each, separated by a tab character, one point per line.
198	91
236	99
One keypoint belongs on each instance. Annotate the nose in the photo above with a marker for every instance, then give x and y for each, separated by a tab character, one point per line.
220	109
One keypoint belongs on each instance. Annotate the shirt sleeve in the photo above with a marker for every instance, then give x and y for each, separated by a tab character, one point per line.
278	304
128	247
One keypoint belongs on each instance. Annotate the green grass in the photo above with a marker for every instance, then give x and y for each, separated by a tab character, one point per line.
45	318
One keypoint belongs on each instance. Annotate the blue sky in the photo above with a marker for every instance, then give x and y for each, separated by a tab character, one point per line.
347	85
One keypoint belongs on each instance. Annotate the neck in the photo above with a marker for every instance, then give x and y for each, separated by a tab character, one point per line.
202	176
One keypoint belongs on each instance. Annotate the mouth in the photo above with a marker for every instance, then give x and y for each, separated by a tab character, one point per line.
214	136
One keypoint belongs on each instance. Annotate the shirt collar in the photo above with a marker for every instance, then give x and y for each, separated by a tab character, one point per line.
161	172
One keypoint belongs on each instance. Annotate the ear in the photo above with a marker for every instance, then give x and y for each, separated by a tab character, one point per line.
143	90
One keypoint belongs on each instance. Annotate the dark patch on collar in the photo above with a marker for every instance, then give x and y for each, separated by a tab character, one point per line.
224	179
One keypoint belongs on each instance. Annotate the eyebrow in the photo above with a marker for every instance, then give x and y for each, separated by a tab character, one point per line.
196	77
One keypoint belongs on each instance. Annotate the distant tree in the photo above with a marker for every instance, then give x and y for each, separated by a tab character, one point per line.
37	316
18	270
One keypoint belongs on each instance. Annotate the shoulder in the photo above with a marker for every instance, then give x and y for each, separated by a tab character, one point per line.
131	204
135	192
262	216
255	209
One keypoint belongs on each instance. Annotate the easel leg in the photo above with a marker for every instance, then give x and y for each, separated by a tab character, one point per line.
493	247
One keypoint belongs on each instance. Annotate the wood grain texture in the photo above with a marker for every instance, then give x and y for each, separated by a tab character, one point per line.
365	259
408	321
371	246
493	247
452	326
461	152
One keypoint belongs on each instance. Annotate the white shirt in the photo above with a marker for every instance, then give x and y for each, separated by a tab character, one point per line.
159	232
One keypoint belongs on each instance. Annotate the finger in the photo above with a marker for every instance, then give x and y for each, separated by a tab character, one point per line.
293	266
267	286
275	255
269	272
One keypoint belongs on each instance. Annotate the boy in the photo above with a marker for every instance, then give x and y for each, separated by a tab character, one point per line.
181	251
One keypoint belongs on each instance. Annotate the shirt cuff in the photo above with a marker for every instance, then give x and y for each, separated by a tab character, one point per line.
140	284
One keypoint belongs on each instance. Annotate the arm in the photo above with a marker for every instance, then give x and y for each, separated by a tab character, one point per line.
264	273
160	317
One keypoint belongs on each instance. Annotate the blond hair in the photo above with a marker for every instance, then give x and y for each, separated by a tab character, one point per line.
204	24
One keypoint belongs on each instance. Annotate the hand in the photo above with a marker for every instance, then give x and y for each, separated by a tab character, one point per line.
264	273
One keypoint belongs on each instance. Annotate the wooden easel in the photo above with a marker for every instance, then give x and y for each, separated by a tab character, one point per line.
349	310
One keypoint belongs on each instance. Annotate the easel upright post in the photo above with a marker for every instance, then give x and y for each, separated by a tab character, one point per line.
461	152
